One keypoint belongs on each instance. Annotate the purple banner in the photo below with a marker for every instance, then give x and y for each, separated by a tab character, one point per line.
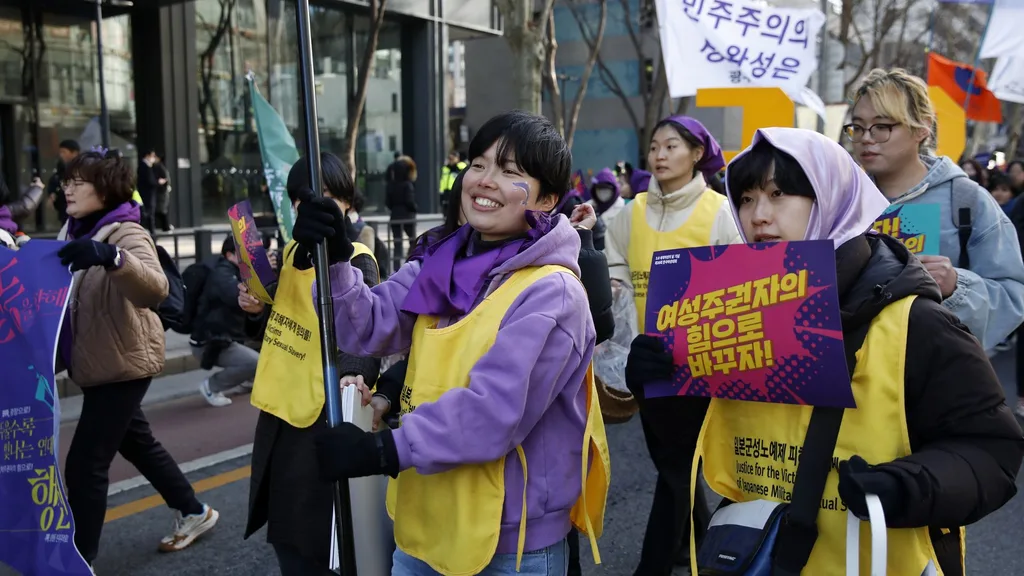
253	262
756	322
36	528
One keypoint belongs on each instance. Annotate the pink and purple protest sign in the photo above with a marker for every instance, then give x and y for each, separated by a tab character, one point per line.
757	322
253	262
36	525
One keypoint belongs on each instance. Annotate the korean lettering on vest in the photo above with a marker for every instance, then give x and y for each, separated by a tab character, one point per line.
276	327
766	468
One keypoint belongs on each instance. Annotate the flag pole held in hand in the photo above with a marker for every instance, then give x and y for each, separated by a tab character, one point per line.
325	306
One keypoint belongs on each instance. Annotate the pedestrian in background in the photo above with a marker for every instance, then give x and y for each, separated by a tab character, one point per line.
221	329
112	344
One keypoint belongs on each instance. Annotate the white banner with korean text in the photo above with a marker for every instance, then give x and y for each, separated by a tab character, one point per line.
737	43
1007	79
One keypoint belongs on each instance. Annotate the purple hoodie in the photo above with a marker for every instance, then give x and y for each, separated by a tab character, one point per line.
847	202
7	223
527	390
607	178
639	181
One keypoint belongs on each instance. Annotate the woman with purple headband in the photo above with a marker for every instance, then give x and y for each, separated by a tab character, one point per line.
678	210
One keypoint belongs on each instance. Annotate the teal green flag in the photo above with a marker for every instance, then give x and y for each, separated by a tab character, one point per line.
277	147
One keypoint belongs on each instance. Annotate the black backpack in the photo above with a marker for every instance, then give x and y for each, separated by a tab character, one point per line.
194	279
172	309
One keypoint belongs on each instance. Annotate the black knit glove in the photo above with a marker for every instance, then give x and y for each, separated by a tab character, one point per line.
349	452
648	361
321	219
84	253
857	479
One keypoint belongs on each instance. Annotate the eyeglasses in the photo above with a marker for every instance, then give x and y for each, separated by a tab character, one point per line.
880	133
67	184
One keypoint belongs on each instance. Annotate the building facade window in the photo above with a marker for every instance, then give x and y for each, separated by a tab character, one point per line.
63	102
237	36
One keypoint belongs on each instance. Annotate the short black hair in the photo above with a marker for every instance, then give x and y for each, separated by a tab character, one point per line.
228	247
538	149
71	145
754	170
997	179
336	179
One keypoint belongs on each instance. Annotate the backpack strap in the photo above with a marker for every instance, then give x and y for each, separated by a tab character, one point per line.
798	529
962	222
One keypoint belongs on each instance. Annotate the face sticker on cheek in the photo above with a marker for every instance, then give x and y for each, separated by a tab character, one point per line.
526	191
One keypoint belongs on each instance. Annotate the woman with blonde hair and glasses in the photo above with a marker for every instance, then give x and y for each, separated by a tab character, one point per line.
979	269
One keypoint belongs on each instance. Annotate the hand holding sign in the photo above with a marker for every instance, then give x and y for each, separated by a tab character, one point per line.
253	262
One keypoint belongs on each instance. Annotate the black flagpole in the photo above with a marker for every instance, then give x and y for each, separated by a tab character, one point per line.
342	504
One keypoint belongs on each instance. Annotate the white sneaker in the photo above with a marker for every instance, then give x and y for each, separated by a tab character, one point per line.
188	528
217	399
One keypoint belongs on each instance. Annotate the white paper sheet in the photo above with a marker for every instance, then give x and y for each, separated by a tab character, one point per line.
372	528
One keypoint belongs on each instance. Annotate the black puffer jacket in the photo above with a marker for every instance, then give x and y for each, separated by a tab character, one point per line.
218	317
967	446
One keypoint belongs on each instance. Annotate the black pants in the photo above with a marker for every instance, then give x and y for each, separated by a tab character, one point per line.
292	563
112	421
671	427
396	236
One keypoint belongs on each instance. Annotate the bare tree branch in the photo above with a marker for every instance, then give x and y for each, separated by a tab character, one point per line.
604	73
358	101
551	79
573	114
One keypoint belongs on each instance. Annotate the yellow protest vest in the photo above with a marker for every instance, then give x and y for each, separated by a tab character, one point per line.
452	520
644	241
289	376
751	450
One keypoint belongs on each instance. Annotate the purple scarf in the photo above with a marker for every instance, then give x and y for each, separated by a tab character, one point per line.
87	228
712	161
451	278
6	221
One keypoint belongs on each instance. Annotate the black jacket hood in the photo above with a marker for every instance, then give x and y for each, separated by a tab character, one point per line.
874	271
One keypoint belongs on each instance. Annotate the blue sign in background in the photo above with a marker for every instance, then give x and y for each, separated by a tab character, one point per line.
36	528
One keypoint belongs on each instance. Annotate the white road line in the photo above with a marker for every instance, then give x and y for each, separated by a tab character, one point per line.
187	467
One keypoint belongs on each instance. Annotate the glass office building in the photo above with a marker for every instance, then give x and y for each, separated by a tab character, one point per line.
175	81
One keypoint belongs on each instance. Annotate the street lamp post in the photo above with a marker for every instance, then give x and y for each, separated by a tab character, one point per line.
104	113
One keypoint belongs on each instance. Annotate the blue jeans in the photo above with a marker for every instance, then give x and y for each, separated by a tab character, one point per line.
550	561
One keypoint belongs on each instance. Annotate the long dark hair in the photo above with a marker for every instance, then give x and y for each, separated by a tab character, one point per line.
451	222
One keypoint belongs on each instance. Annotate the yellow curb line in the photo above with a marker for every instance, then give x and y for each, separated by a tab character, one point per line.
203	485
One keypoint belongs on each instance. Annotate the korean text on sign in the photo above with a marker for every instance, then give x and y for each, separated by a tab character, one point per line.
731	336
740	42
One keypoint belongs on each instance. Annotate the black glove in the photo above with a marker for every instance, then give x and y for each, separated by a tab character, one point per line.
321	219
84	253
857	478
349	452
648	361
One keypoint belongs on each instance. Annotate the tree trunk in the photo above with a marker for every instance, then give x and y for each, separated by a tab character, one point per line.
573	115
527	68
357	102
550	78
525	32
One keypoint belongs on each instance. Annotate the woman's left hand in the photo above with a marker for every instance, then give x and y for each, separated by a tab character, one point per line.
84	253
583	216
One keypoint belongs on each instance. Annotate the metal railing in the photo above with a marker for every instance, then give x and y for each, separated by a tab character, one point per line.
189	245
